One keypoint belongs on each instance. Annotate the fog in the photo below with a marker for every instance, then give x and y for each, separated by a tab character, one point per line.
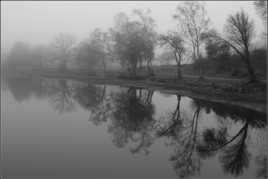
39	22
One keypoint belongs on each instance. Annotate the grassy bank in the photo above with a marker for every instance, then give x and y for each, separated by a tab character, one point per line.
237	93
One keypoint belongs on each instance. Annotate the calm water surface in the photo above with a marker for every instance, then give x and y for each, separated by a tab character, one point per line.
54	128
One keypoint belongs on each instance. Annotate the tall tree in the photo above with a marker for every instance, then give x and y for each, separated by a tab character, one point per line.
175	42
192	19
149	36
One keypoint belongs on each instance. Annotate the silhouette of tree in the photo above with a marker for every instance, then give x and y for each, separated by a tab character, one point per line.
239	30
193	22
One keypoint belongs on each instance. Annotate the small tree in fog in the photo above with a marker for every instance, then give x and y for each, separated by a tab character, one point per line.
93	52
100	42
19	56
63	44
175	42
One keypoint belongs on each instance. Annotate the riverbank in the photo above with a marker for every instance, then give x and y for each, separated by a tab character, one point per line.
252	96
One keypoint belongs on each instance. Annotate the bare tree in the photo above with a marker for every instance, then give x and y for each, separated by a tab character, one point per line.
239	31
63	44
192	19
175	42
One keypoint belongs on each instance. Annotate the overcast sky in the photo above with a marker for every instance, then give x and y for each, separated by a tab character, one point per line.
38	22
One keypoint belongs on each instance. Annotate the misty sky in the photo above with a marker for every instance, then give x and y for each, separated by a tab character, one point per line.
38	22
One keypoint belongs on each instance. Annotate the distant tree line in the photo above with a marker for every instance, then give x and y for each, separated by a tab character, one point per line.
133	41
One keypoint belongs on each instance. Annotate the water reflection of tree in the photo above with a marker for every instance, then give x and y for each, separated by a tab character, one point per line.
184	138
89	95
234	153
61	95
174	121
93	98
22	88
190	146
132	119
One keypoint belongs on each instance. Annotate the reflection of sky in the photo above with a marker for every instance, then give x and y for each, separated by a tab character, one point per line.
39	141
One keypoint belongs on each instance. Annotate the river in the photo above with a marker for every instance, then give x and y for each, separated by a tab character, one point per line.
55	128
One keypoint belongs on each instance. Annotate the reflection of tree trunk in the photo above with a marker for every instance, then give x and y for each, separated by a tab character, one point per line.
140	93
176	115
103	92
184	159
193	134
132	93
175	118
149	97
243	129
150	68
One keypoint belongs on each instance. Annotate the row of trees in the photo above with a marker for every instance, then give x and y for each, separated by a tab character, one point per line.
132	42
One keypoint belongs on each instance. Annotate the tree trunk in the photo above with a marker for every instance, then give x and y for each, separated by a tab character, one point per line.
194	53
251	72
149	68
178	65
179	72
197	51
